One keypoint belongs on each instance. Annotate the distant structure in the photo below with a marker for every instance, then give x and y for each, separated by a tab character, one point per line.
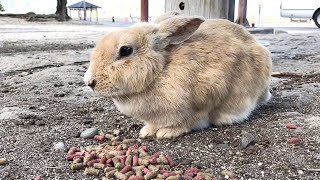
84	6
209	9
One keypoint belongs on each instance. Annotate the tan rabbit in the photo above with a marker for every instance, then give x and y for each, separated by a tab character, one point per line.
181	73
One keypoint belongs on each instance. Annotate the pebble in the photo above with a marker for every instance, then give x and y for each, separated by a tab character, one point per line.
89	133
59	146
246	140
116	132
300	172
186	162
3	161
228	174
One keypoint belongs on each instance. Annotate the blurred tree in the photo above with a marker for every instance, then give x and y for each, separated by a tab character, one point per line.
1	8
62	12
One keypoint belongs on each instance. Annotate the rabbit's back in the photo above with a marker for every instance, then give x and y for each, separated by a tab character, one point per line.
222	64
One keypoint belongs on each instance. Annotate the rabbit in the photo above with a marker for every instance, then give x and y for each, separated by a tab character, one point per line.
181	73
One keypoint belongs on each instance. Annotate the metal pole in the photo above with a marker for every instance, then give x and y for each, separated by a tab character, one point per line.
231	10
144	11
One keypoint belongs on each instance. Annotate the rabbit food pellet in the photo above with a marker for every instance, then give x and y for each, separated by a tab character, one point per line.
122	160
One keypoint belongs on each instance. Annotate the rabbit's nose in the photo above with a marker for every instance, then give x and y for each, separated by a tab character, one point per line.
92	83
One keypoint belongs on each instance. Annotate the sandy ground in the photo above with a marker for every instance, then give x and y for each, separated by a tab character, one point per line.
43	101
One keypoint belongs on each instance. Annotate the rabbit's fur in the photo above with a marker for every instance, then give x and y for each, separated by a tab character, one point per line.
184	73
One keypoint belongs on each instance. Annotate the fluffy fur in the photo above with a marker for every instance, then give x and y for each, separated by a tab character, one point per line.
184	73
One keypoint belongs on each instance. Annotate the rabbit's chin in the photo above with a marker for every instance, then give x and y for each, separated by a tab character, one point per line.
113	95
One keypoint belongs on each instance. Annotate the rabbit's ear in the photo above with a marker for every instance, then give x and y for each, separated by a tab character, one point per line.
179	28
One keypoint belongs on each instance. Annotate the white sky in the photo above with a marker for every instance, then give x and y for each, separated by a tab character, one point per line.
123	8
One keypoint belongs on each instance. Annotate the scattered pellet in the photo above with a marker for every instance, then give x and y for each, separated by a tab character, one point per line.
163	159
146	170
130	173
128	160
77	160
135	160
205	175
175	177
120	176
198	178
115	160
115	139
294	141
291	126
163	167
143	153
109	136
170	160
129	141
161	176
119	166
145	148
77	166
134	147
99	165
151	175
116	153
136	178
152	167
168	174
144	162
86	159
108	169
111	173
91	171
122	159
99	138
125	169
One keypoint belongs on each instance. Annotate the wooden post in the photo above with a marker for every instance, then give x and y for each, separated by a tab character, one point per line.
242	13
84	10
97	14
90	14
144	11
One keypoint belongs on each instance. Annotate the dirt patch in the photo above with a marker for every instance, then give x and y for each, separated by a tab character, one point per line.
47	83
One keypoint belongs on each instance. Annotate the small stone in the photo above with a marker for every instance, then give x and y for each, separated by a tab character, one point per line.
3	161
246	140
17	122
89	133
28	116
186	162
87	121
42	107
116	132
291	126
59	146
59	94
300	172
227	173
259	164
40	123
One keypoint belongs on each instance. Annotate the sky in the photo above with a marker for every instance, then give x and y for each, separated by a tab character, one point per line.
124	8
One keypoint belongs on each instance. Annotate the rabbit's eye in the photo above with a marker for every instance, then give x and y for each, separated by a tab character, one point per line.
125	51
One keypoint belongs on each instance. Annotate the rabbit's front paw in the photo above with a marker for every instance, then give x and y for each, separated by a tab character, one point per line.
148	130
167	133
